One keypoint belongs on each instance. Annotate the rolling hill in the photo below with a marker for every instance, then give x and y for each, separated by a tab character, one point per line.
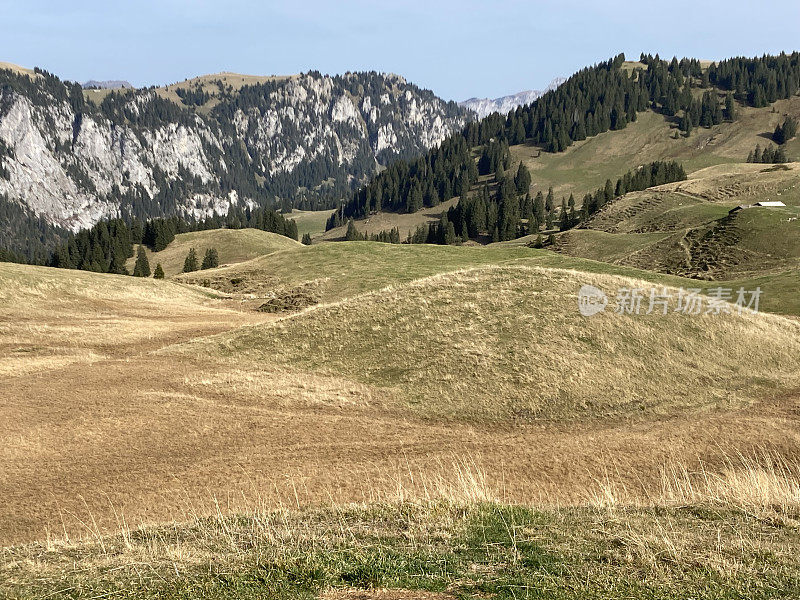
431	378
688	229
502	342
363	420
233	246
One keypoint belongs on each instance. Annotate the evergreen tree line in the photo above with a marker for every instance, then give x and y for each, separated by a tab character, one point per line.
406	186
758	81
106	246
650	175
511	212
388	236
769	155
594	100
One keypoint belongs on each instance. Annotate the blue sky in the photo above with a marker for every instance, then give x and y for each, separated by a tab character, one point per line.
457	49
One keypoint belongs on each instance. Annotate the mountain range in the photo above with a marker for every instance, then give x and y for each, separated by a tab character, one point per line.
483	107
74	156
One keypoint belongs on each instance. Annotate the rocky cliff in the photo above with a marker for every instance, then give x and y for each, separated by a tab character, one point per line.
74	156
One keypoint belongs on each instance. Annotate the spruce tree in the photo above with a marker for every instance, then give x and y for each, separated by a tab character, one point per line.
730	107
211	259
307	239
159	272
522	179
190	264
142	267
564	222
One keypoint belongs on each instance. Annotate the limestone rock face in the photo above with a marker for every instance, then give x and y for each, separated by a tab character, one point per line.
145	153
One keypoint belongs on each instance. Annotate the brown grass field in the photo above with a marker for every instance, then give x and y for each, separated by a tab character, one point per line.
117	410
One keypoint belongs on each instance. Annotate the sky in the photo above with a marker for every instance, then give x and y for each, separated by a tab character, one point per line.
457	49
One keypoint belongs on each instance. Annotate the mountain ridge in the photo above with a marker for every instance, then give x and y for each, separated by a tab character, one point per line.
75	156
483	107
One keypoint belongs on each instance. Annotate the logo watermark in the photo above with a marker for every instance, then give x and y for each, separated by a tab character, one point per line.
662	301
591	300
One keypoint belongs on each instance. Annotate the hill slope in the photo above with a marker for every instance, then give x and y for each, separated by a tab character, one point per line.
233	246
687	228
503	342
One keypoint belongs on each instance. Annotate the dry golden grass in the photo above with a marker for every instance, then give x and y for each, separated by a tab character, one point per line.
233	245
52	318
140	436
673	544
509	342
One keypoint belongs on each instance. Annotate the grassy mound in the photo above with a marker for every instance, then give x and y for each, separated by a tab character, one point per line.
56	317
686	228
508	342
233	245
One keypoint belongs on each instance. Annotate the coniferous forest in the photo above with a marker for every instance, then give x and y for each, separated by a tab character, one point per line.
106	246
594	100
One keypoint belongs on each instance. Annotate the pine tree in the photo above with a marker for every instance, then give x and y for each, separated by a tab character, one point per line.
522	179
307	239
211	259
730	107
564	222
190	264
159	272
142	267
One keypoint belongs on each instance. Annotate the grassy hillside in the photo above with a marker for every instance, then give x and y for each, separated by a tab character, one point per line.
685	228
233	245
59	317
508	342
586	165
310	221
340	270
345	269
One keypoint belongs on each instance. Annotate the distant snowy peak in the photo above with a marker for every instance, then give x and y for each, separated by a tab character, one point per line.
486	106
106	85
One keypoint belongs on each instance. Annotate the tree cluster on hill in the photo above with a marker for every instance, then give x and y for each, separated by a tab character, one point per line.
509	214
142	266
650	175
193	96
594	100
390	236
407	186
758	81
106	246
210	259
768	155
190	264
24	237
783	133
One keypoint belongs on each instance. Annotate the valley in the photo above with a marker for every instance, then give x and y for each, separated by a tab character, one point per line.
476	374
